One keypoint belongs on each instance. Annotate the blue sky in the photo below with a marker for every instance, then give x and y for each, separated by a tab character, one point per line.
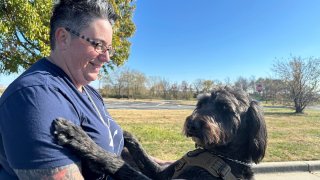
215	39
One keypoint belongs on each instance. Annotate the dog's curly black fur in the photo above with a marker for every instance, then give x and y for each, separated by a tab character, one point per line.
226	123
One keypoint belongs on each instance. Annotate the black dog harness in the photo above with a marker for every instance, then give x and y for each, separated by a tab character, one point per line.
206	160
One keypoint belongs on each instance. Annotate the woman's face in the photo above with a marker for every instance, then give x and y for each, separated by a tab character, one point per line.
84	62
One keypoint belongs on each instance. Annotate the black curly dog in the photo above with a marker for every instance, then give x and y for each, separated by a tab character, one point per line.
228	129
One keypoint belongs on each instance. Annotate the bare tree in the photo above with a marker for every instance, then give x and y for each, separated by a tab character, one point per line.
273	90
186	90
174	90
153	86
107	87
302	77
165	87
198	85
217	82
242	83
252	84
127	79
207	85
138	84
113	82
227	81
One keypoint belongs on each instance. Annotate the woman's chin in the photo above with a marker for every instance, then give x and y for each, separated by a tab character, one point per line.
92	77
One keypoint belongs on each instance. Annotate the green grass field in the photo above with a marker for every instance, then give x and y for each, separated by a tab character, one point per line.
290	136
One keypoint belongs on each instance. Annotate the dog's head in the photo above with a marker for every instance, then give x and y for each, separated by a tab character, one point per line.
228	118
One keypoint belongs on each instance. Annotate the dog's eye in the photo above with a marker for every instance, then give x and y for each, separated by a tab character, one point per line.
226	108
223	107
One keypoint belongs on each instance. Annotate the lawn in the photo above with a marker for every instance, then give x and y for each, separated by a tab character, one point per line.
290	136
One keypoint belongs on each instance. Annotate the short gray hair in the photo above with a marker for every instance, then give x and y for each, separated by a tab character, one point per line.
78	14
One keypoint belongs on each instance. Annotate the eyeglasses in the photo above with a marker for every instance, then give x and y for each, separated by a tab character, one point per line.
98	46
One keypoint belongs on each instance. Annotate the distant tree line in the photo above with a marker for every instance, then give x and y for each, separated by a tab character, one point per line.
128	83
296	83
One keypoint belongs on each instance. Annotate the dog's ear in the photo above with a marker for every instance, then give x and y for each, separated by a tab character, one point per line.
258	132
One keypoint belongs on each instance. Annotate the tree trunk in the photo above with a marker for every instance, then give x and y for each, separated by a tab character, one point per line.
299	108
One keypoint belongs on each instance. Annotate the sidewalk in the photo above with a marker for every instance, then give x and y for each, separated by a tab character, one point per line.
293	170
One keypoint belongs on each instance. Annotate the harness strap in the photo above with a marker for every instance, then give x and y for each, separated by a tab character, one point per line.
201	158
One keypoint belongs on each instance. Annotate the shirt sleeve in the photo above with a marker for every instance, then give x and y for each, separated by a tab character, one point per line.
26	118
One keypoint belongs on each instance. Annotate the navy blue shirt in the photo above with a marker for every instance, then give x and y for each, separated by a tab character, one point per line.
27	109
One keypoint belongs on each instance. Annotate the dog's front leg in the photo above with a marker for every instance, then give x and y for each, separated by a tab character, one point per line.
98	160
145	163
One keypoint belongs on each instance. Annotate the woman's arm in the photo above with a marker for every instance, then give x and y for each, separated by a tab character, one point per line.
68	172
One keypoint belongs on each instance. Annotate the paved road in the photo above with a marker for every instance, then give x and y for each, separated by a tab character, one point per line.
168	104
146	105
316	107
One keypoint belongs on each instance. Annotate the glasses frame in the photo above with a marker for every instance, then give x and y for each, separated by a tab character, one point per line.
98	46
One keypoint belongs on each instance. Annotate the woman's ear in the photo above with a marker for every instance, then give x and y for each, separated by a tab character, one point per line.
62	38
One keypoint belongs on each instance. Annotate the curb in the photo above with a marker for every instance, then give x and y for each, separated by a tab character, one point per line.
290	166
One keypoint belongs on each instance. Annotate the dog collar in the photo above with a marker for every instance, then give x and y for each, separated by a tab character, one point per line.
230	159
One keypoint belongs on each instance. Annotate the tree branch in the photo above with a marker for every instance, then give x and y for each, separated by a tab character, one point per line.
26	48
24	37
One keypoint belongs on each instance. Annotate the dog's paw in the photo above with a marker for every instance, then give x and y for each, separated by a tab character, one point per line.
127	135
68	133
129	140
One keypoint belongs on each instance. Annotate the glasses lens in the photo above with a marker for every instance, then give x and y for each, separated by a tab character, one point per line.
99	48
103	49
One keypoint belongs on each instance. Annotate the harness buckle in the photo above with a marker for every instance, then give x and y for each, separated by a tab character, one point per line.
181	164
224	170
